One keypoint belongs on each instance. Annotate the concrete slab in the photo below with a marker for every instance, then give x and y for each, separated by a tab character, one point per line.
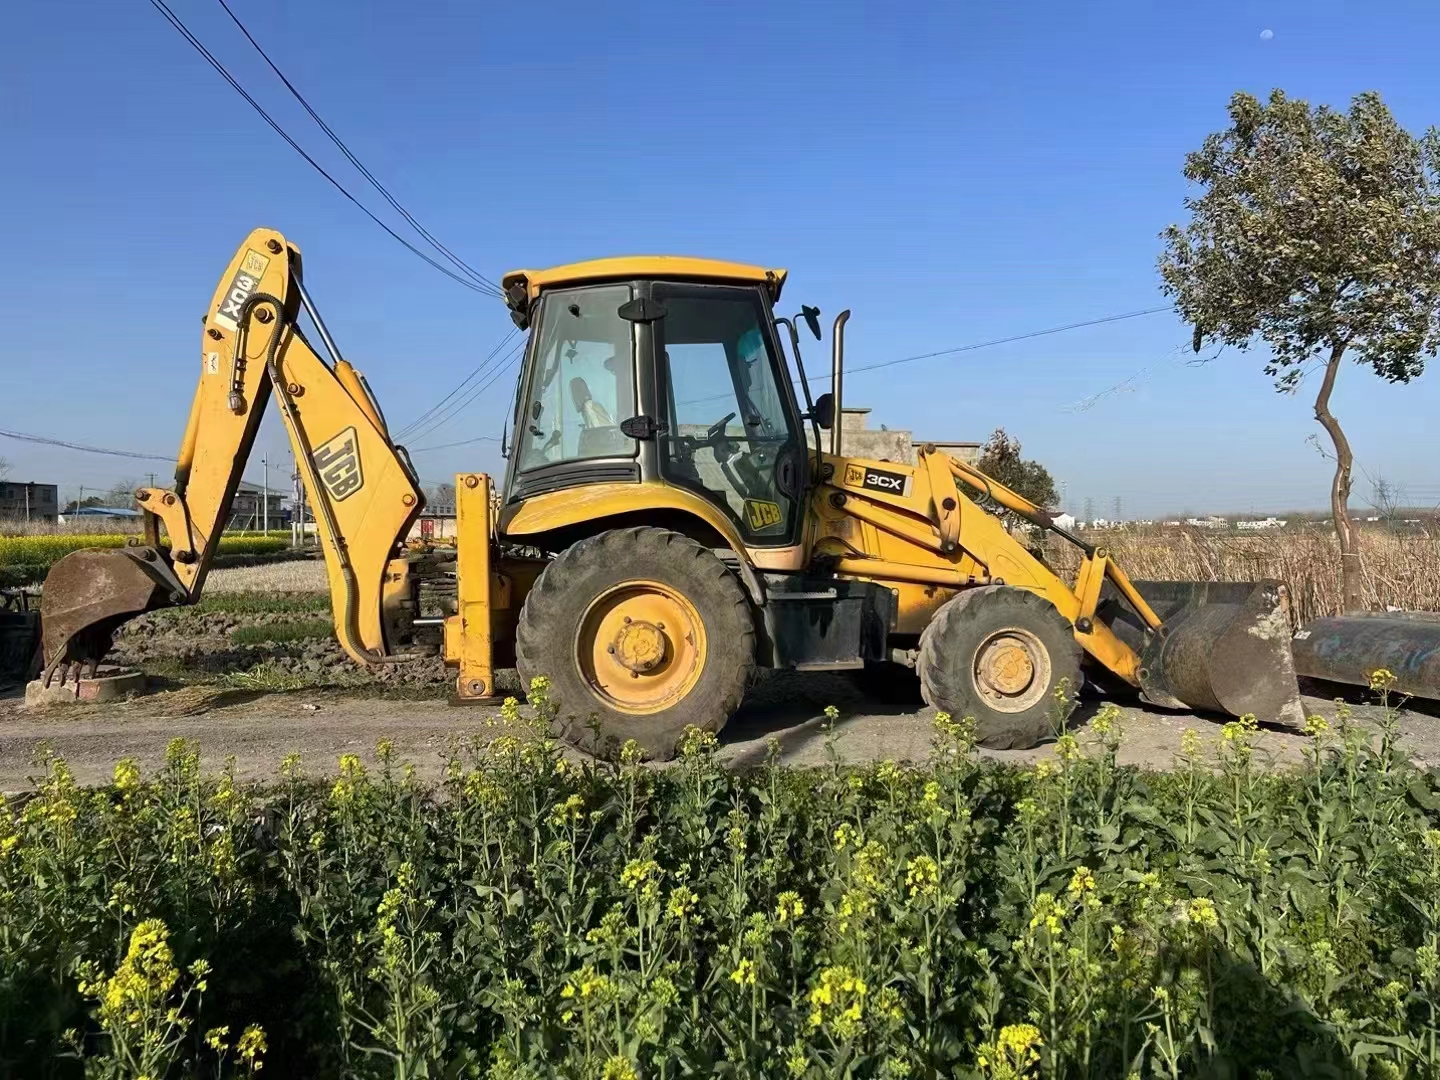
109	684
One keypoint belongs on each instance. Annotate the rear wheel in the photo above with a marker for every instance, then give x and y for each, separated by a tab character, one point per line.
641	633
998	654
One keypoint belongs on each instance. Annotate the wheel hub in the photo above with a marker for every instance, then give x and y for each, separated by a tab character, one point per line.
1008	669
640	646
1012	670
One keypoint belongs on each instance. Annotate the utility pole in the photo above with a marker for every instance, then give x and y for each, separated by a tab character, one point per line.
27	501
265	493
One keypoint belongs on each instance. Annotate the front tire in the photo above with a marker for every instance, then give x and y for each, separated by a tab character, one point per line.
998	654
641	633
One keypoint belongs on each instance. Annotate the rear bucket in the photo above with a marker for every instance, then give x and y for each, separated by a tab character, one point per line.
1223	647
89	593
1348	648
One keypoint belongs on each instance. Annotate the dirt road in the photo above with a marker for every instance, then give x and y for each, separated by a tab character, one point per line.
259	730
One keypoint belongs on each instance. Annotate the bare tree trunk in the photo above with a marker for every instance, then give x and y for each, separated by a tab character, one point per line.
1340	486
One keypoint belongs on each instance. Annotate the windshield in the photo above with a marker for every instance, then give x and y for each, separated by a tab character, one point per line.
583	381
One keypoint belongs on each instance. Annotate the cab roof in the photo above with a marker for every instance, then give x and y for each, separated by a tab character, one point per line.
523	286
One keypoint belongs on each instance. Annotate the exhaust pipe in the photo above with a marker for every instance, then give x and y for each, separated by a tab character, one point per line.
837	376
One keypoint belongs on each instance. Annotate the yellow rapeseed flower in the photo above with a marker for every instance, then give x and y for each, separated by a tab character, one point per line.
1082	881
788	905
1202	913
744	973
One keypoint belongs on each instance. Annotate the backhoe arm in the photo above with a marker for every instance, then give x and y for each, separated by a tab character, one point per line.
363	492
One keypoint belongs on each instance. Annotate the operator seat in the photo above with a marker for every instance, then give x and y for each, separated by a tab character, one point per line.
600	436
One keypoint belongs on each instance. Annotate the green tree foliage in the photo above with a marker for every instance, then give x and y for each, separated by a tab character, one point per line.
1000	458
1316	233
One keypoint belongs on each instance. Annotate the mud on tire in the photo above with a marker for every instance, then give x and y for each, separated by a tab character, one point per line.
997	654
570	632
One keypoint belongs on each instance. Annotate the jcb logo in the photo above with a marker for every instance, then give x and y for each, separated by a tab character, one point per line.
854	476
246	281
762	515
338	463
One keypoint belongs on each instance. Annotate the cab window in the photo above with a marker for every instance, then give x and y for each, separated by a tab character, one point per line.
582	384
728	429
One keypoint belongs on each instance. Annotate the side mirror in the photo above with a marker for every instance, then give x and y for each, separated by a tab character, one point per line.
811	316
824	413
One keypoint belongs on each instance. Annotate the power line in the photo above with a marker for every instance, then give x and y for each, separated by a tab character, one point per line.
414	424
972	347
350	157
462	442
1004	340
459	406
45	441
199	47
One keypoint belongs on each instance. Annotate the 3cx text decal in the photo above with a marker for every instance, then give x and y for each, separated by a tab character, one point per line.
863	476
246	280
338	463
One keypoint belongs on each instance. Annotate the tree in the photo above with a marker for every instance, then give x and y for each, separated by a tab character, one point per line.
1316	233
1000	458
121	494
4	468
441	499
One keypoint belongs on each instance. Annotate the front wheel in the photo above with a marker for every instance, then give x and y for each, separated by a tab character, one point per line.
641	633
998	654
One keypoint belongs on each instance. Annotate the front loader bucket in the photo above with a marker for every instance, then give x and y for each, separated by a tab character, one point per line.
1349	648
89	593
1223	647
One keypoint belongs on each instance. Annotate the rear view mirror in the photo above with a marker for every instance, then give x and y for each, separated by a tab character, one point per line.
824	413
812	319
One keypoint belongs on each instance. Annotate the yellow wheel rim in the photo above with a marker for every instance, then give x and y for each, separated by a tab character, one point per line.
1012	670
641	646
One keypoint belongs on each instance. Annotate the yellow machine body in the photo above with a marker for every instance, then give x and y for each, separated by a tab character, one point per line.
902	545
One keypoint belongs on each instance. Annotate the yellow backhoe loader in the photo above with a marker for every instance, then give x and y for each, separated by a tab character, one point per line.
670	519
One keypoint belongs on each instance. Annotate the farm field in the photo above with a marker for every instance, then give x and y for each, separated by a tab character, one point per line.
524	915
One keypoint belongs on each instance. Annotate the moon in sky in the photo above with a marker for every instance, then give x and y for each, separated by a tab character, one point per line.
1266	35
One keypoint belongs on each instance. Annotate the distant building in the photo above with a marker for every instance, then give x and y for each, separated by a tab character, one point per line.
1211	522
1265	523
1065	521
101	515
858	439
29	502
248	512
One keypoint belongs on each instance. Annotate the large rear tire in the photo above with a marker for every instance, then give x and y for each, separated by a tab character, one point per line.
998	654
641	632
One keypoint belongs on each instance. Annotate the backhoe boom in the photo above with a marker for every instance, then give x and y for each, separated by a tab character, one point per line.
364	495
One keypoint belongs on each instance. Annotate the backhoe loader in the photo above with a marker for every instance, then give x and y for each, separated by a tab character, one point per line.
670	519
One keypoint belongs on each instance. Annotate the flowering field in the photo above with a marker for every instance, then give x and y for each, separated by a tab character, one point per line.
537	918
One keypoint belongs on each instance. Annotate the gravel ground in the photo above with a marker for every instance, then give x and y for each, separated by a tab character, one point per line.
261	729
223	694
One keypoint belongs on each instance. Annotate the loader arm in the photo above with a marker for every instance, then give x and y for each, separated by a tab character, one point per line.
1218	645
363	492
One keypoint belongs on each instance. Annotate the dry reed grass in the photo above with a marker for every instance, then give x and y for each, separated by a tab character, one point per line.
1401	568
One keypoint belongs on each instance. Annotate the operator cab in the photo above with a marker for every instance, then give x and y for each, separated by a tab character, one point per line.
659	370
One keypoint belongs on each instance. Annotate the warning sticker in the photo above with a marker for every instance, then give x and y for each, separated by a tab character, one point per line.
762	515
871	479
242	285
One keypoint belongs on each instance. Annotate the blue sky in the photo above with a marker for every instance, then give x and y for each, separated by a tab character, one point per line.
951	172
